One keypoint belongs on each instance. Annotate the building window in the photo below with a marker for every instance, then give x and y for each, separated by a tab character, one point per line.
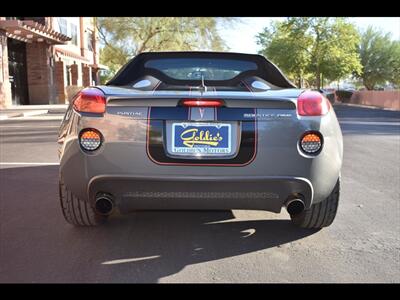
62	26
90	41
74	34
68	75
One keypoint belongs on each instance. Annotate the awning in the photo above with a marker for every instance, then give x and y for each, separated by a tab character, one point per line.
30	31
69	54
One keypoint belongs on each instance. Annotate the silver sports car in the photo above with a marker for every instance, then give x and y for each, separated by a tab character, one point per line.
200	131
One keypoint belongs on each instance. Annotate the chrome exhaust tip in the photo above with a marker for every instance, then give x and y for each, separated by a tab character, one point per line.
104	204
295	206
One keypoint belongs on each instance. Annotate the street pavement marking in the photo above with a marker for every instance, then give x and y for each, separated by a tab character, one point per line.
370	123
121	261
29	163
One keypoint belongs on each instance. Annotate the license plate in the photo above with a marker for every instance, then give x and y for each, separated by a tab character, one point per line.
211	139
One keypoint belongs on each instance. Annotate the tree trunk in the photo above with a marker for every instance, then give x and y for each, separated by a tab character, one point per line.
322	81
318	77
318	81
368	85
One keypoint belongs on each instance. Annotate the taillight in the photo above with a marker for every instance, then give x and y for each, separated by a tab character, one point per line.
311	103
90	139
90	100
202	102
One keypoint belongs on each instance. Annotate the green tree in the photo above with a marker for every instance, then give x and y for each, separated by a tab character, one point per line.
319	46
284	51
380	58
125	37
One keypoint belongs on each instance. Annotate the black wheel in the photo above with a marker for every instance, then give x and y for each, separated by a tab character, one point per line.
78	212
320	214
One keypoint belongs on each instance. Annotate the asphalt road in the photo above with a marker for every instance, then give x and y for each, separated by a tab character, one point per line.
362	245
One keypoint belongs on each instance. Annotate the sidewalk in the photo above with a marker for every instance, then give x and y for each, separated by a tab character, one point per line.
22	111
338	103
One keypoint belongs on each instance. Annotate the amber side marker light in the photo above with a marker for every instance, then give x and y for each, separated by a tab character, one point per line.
311	143
90	139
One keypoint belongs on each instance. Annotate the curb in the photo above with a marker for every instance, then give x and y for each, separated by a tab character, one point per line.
24	114
40	118
9	116
39	107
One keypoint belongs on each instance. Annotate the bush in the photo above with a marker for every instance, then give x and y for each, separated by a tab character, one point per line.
344	96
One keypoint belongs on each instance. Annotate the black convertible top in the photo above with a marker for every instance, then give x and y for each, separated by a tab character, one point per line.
137	69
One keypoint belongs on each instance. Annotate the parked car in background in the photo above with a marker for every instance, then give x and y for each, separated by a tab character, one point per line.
344	95
200	130
328	93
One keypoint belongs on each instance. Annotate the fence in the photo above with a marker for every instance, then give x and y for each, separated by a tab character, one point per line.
383	99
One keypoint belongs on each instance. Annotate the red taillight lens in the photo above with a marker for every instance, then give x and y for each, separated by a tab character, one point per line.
202	102
90	100
312	103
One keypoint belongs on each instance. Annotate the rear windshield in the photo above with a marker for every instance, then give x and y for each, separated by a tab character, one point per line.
196	68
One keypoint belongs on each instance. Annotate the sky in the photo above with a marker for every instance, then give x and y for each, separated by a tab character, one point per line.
241	37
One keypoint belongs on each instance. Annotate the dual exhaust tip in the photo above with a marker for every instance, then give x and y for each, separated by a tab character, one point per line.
295	206
104	204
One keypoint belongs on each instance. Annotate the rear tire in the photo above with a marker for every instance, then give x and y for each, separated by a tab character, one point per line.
320	214
76	211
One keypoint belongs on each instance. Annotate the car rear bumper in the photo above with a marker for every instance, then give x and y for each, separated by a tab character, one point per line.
199	192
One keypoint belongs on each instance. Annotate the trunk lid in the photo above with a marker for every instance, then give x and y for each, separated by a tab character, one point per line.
181	135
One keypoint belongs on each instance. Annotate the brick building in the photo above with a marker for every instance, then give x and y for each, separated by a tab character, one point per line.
45	60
